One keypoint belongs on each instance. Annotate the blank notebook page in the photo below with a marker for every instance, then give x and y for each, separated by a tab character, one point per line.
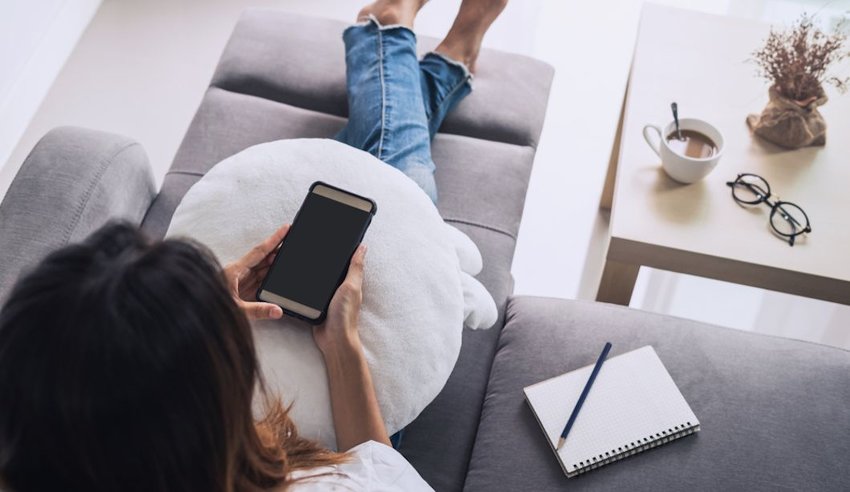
632	404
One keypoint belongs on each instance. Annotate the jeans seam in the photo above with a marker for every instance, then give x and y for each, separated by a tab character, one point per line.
383	94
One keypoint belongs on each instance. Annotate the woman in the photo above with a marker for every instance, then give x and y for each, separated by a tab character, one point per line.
129	365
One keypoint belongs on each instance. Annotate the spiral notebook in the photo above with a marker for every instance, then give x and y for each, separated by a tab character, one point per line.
633	405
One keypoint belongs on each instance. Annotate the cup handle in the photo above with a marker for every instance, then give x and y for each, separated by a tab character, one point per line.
655	146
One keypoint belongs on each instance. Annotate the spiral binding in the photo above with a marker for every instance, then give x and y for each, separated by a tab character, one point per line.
634	447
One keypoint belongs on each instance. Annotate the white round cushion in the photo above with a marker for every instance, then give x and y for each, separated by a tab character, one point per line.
418	288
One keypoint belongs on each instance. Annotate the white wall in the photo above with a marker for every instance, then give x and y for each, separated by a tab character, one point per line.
36	37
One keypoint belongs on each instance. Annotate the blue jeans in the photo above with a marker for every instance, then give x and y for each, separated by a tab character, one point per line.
396	103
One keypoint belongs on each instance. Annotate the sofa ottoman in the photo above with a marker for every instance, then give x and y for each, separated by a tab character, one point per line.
774	412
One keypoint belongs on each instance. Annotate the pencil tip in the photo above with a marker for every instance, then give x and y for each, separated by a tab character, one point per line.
560	443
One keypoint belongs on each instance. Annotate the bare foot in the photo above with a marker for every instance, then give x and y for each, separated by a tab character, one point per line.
392	12
463	42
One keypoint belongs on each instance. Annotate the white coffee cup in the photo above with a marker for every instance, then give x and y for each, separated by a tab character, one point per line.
682	168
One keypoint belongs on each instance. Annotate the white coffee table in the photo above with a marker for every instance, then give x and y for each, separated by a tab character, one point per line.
700	61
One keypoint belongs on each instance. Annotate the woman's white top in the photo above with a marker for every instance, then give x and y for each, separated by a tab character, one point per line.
373	466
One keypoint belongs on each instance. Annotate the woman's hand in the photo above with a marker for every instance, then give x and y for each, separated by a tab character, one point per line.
340	329
245	274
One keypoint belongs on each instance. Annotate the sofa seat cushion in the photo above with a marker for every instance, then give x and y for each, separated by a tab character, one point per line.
774	412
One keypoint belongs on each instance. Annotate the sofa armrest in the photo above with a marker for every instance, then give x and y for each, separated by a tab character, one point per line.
72	182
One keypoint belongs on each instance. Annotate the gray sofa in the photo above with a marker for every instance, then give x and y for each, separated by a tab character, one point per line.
775	413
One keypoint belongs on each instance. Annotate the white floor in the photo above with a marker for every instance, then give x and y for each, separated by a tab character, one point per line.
141	67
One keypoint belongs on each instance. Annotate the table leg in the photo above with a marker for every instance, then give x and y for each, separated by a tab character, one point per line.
607	198
618	282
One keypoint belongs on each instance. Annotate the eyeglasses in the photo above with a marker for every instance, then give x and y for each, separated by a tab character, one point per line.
786	219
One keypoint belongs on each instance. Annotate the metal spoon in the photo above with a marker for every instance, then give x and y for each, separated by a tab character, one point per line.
675	108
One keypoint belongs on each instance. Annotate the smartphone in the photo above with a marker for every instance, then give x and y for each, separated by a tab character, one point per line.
313	259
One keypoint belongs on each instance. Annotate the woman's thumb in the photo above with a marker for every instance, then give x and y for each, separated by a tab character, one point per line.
262	310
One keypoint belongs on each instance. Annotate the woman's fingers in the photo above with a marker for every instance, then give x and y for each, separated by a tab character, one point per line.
244	277
268	260
355	269
252	283
263	250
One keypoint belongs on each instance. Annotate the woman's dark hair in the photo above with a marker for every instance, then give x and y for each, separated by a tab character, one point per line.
126	365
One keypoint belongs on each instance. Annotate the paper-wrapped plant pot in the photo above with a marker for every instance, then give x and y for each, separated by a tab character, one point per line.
791	124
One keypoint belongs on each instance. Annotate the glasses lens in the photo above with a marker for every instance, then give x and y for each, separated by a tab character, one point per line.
750	189
788	219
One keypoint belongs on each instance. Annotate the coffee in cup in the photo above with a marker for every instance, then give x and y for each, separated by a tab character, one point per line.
691	143
688	158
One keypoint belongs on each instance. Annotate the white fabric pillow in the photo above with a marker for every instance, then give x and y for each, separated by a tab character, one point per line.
418	288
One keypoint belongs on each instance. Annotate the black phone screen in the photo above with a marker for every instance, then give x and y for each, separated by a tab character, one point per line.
316	251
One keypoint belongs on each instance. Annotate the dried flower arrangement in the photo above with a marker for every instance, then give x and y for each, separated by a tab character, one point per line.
797	63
